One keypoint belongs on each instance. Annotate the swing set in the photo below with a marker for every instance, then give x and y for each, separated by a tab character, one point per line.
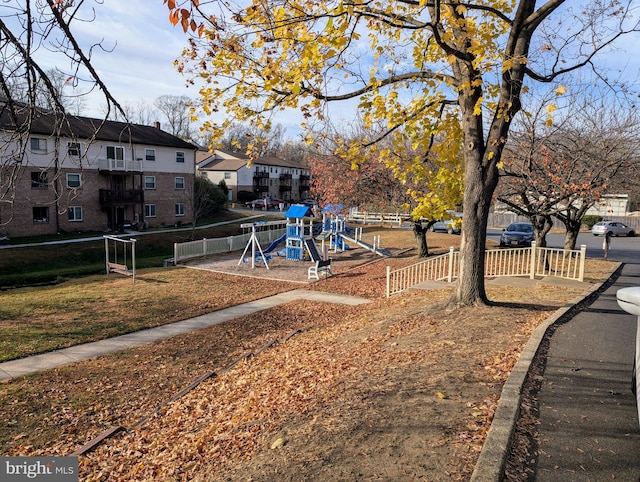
120	267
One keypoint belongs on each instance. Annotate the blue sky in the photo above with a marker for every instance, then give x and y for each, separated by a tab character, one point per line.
144	45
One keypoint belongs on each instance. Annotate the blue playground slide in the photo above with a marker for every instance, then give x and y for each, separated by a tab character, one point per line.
275	243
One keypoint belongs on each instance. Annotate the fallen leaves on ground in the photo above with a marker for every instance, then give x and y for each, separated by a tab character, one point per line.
355	393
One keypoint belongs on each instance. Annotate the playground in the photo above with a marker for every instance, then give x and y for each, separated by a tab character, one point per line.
292	256
284	270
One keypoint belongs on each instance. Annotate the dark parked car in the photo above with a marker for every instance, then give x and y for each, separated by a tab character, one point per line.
517	234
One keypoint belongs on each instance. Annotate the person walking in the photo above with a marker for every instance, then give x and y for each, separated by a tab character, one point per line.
606	243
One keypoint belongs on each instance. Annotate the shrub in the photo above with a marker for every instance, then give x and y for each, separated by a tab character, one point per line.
591	219
246	196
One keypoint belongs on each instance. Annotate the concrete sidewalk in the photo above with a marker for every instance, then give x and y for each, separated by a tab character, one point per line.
587	419
53	359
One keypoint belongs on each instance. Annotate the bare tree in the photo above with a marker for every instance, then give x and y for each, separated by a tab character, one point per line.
65	91
177	112
561	169
241	138
206	199
142	113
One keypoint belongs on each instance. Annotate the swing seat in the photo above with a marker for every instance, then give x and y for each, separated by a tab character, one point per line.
119	268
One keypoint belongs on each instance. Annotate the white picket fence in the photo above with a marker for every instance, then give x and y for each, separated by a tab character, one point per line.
531	262
393	219
205	247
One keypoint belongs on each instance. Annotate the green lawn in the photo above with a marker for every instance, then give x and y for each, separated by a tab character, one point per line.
49	263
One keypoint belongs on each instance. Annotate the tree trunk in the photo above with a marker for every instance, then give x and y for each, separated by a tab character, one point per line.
542	224
572	220
573	229
480	183
420	233
571	238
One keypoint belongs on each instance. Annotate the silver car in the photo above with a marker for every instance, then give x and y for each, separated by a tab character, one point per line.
613	227
445	226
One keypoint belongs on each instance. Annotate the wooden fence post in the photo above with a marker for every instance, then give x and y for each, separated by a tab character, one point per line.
388	281
532	269
583	255
450	274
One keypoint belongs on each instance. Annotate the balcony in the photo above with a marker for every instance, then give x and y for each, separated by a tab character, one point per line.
119	165
261	183
109	197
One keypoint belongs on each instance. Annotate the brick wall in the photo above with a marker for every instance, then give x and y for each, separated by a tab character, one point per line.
17	217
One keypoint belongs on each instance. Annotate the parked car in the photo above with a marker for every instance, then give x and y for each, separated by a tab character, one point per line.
445	226
613	227
275	203
518	234
260	203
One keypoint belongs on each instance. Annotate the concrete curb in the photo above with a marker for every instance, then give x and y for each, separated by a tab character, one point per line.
496	448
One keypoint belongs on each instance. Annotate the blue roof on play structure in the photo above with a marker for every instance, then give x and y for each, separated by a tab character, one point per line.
298	211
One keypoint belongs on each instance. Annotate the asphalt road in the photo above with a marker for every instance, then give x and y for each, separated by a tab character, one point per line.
623	249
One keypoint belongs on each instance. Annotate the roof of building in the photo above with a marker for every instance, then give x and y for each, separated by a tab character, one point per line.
77	127
214	164
221	160
276	161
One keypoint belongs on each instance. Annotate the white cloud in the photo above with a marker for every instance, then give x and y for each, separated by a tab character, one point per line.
140	46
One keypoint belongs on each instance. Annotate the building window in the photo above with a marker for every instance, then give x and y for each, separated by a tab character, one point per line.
149	154
38	144
74	149
149	210
179	182
73	180
179	156
227	175
74	213
180	209
115	152
40	214
149	182
39	180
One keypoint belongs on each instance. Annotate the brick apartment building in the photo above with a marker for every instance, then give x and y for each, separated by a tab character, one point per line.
267	177
93	175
